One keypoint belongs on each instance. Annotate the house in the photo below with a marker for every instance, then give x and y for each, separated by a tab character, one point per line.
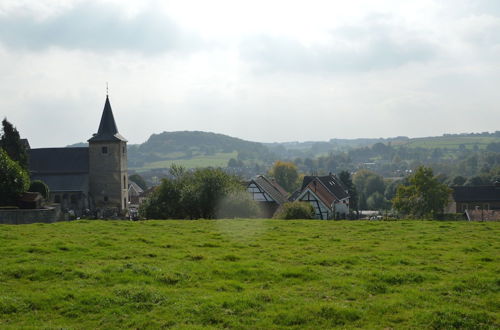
327	194
134	191
475	198
93	177
268	193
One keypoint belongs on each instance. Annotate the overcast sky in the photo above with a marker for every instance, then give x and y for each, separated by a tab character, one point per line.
258	70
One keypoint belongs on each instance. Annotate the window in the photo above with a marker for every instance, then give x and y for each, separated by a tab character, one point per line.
124	148
73	199
124	182
104	150
57	199
125	203
105	198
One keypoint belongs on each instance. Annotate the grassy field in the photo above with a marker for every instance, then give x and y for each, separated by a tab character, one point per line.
217	160
250	274
452	142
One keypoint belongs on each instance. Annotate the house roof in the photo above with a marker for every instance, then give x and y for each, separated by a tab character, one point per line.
65	182
107	128
58	160
464	194
331	183
326	197
272	188
134	186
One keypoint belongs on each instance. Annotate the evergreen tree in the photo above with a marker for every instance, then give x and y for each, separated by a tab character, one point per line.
12	144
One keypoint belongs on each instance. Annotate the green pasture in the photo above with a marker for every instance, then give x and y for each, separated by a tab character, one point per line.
452	142
216	160
250	274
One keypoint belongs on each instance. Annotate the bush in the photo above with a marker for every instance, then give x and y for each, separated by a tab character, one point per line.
238	204
13	179
295	210
39	187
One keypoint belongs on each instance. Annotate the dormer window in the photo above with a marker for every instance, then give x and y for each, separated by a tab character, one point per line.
104	150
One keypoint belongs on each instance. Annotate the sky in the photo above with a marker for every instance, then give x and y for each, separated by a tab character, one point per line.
266	71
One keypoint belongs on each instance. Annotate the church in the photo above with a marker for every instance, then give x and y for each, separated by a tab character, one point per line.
90	178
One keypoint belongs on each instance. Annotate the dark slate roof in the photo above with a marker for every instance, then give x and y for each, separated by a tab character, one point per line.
65	182
107	128
58	160
272	188
331	182
476	194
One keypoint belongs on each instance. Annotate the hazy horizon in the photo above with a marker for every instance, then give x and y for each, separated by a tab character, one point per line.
263	71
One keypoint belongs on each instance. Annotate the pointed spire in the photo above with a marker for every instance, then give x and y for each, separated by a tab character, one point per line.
107	128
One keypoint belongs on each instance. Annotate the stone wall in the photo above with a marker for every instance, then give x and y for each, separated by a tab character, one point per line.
18	217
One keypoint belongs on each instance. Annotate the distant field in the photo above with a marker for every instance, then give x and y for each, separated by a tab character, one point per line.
250	274
216	160
452	142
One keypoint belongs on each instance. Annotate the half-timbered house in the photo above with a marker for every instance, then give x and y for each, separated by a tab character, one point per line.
327	194
268	193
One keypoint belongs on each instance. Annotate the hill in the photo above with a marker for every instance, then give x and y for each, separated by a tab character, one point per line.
250	274
200	148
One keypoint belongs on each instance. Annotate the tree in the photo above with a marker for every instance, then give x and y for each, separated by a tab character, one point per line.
14	180
286	174
346	179
367	183
424	196
191	195
459	180
139	180
12	144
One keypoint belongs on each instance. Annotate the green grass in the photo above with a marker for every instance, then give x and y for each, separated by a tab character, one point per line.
452	142
216	160
250	274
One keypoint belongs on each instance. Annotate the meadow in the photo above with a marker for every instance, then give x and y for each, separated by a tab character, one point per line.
250	274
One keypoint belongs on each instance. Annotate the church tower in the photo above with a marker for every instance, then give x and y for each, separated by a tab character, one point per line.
108	180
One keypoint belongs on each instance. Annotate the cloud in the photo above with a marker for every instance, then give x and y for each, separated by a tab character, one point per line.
96	27
373	45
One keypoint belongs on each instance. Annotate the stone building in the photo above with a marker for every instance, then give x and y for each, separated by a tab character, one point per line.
93	177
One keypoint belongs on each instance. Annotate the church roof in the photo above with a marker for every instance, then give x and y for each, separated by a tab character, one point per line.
58	160
65	182
107	128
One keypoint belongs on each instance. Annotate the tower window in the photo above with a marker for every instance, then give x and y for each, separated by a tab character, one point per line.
104	150
124	182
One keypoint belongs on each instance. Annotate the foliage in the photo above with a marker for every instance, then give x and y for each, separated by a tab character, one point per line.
286	174
346	179
14	180
11	142
424	196
250	274
139	180
40	187
295	210
190	195
238	204
368	183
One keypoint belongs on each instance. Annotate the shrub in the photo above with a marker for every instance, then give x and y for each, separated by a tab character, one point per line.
40	187
238	204
295	210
